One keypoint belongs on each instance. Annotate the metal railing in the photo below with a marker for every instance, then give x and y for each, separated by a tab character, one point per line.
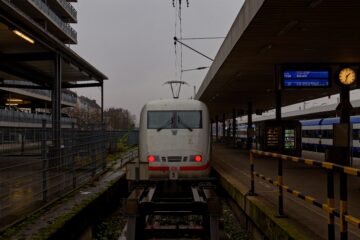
24	117
34	172
68	7
56	19
66	97
329	206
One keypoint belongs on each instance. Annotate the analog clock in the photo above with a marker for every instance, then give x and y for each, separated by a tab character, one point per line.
347	76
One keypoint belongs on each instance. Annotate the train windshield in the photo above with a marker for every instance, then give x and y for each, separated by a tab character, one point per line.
189	119
160	119
174	120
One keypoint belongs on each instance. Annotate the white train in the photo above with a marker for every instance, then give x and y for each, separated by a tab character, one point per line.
174	140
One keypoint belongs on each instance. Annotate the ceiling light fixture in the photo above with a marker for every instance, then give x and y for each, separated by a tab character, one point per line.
288	27
23	36
314	3
14	100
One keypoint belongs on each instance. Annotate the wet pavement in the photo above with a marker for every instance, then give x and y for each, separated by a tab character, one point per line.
307	180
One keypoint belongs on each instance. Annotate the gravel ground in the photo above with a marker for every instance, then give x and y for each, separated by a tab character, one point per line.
110	228
232	229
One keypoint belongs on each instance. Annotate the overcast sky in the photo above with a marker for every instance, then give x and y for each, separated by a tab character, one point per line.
131	42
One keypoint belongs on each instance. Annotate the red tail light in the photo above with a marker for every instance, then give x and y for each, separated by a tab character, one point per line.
151	158
198	158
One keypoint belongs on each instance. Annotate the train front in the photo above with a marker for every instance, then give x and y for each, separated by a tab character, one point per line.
175	139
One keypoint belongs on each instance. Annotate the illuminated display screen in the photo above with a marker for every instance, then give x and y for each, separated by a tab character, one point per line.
306	78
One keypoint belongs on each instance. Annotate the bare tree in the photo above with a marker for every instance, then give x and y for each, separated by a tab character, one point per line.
118	118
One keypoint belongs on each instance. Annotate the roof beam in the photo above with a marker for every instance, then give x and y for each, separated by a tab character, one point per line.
10	85
64	85
27	74
24	57
83	85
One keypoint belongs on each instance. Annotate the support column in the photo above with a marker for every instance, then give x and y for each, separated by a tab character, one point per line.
216	128
280	163
102	104
211	130
234	126
223	128
56	102
278	105
344	119
249	127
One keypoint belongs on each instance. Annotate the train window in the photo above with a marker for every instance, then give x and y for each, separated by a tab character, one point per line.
327	134
160	119
189	119
356	134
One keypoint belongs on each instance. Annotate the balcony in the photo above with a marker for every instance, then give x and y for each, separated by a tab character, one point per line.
56	19
14	118
64	9
39	11
68	98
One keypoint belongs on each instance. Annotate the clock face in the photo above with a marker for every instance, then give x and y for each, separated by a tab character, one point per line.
347	76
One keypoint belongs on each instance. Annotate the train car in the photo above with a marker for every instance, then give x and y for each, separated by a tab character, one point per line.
174	139
317	134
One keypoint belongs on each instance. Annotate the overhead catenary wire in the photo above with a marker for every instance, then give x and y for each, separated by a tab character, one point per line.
177	40
201	38
175	32
180	34
177	4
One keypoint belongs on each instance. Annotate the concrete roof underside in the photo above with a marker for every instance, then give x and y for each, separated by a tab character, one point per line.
267	33
21	60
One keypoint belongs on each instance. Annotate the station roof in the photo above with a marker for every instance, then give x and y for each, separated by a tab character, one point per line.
321	111
270	32
21	60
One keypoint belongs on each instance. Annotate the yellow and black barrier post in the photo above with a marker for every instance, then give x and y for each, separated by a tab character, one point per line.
329	206
343	206
329	159
330	203
252	169
280	182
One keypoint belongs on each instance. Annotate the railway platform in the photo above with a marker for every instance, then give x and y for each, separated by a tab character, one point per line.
301	220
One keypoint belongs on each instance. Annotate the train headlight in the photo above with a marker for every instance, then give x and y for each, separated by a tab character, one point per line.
198	158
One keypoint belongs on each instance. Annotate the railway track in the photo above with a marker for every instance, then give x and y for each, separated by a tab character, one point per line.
169	210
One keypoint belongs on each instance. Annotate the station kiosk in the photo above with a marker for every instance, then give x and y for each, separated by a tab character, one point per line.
281	137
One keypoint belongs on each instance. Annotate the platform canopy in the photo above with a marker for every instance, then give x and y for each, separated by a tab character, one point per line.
21	59
267	33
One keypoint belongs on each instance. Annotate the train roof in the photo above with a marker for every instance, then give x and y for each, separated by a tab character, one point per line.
328	121
174	104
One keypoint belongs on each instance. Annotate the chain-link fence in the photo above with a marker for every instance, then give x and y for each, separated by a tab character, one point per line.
34	172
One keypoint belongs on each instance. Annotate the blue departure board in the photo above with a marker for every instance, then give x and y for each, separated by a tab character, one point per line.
305	78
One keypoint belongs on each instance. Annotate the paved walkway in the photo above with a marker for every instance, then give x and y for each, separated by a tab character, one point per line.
307	180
